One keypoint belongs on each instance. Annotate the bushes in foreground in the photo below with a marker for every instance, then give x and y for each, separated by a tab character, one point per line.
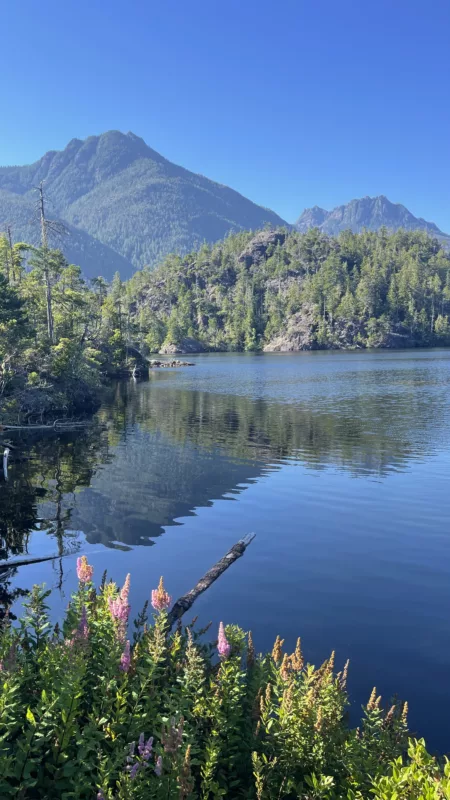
87	713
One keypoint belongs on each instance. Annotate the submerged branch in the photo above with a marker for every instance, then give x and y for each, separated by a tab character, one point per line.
57	425
184	603
24	561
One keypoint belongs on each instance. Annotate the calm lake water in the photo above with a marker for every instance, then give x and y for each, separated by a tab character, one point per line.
339	462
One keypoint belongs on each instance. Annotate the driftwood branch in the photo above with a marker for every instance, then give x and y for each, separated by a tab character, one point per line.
24	561
57	425
184	603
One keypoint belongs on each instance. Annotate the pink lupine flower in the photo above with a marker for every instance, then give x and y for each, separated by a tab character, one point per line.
161	600
223	645
125	660
84	570
125	589
158	766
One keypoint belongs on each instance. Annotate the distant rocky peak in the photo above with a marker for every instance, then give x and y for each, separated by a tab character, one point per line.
372	213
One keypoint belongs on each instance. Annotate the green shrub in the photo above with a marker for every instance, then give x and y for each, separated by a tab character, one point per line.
84	713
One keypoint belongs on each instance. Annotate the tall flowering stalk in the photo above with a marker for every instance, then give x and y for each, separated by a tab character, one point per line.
138	761
223	645
125	660
84	570
120	609
161	600
67	714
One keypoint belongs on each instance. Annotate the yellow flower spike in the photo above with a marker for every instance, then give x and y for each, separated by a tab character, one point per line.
345	674
297	660
405	714
285	669
277	650
373	697
250	651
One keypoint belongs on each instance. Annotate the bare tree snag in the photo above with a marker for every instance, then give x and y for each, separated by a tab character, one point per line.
186	602
5	463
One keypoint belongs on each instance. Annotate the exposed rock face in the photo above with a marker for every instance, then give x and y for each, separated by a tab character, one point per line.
186	345
298	336
257	248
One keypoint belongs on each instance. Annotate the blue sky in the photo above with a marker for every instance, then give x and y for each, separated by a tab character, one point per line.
293	103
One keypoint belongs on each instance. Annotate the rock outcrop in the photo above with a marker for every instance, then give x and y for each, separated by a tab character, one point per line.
257	248
155	364
186	345
298	336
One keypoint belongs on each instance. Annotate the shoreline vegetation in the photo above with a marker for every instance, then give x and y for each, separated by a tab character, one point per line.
87	712
62	340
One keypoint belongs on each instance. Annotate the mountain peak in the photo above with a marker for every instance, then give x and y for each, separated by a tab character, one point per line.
367	212
130	199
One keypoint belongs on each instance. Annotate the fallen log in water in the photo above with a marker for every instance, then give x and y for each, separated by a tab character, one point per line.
25	561
184	603
57	425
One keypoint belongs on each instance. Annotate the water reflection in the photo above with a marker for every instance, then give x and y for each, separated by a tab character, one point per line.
338	462
45	472
158	453
161	449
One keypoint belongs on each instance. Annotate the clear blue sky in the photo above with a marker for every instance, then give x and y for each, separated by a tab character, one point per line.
293	103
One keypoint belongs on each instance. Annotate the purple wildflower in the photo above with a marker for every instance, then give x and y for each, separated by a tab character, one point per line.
100	795
120	610
125	589
145	747
83	627
134	770
125	659
84	570
130	756
161	600
158	766
223	645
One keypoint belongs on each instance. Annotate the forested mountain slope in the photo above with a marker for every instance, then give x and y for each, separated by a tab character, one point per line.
284	290
138	204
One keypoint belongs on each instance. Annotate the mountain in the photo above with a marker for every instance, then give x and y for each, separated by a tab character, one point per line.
115	192
371	213
79	247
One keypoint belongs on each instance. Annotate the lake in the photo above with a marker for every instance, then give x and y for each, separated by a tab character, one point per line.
339	462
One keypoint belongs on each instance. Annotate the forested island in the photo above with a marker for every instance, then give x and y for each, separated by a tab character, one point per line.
277	290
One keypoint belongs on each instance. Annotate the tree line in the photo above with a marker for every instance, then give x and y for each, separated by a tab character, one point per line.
370	289
61	335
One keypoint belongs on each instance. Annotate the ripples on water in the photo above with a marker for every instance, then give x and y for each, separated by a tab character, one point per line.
338	461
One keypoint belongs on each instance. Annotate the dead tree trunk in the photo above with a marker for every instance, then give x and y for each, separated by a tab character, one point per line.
184	603
44	244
